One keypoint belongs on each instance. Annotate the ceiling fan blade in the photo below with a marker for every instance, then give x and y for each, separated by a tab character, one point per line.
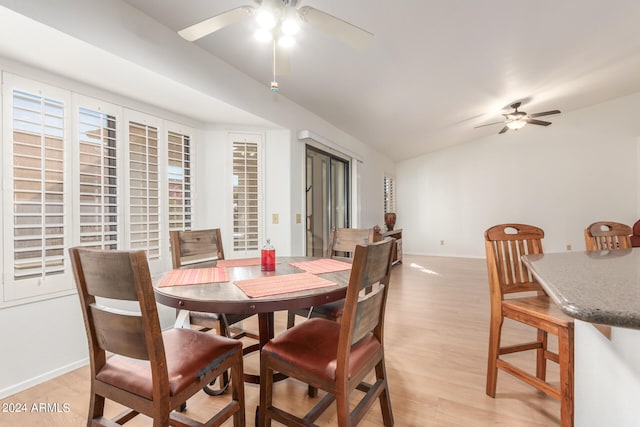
336	27
489	124
215	23
504	129
283	61
538	122
546	113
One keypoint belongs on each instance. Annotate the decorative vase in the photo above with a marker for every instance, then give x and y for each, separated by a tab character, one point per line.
390	220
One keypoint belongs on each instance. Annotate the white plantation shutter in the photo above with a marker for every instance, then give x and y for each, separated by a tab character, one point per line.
144	189
36	197
389	195
98	179
180	185
81	171
246	195
38	185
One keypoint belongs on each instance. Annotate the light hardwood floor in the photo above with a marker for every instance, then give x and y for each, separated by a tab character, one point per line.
436	352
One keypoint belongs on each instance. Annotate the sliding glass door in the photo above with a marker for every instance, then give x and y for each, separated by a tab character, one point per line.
327	187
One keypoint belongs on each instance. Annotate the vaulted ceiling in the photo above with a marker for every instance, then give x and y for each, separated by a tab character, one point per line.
436	69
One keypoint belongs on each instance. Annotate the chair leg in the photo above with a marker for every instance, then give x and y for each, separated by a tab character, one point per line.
291	319
342	406
237	389
495	331
385	400
541	360
565	352
312	391
96	408
161	412
266	392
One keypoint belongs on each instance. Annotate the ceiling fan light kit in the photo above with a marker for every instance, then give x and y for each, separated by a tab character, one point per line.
516	124
281	20
517	119
277	20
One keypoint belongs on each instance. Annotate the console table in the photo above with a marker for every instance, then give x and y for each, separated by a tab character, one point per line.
396	234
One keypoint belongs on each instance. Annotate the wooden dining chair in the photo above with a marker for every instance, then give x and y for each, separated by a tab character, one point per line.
605	235
336	357
149	371
342	243
202	249
516	295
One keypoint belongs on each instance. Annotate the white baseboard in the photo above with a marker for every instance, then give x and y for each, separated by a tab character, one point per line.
17	388
442	255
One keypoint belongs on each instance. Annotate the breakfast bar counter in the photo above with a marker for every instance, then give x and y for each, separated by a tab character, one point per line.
601	287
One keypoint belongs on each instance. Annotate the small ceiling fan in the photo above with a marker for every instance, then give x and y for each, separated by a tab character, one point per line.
282	16
517	119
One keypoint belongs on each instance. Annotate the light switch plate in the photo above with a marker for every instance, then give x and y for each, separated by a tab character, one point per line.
275	218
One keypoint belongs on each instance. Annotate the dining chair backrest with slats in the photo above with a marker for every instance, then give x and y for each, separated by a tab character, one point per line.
516	294
505	246
605	235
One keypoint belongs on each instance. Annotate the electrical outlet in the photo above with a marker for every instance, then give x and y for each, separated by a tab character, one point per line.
298	218
442	242
568	247
275	218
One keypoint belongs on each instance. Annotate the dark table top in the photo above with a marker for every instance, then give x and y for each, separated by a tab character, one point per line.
226	297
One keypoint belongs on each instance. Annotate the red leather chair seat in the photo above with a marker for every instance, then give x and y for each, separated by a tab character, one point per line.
313	346
186	351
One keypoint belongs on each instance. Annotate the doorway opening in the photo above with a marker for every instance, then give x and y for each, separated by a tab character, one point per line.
327	198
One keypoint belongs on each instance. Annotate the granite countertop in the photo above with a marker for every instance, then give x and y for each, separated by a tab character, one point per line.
598	287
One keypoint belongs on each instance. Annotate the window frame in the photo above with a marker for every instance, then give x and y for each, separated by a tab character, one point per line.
33	289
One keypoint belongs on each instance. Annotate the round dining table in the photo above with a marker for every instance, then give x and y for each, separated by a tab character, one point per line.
227	297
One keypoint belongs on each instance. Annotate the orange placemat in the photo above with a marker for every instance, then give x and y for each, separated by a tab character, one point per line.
274	285
194	276
319	266
242	262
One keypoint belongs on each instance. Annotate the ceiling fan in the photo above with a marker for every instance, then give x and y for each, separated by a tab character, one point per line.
517	119
281	16
278	22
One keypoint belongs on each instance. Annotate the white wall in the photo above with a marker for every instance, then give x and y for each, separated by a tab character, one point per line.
581	169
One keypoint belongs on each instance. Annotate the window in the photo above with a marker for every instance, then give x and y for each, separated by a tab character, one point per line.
36	201
81	171
179	174
389	195
98	192
144	188
38	185
246	192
